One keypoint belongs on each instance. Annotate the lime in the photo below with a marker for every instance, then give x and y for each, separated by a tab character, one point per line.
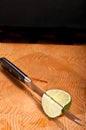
54	101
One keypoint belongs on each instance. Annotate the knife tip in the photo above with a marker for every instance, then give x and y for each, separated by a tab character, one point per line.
79	122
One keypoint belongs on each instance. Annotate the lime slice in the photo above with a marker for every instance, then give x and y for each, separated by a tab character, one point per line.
54	101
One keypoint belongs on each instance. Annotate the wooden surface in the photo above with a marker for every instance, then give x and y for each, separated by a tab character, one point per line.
50	66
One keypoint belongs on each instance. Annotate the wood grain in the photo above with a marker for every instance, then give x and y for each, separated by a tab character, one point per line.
49	66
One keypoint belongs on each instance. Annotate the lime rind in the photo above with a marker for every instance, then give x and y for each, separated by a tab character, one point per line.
67	107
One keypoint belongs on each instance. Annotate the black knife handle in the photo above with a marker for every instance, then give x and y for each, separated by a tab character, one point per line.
15	71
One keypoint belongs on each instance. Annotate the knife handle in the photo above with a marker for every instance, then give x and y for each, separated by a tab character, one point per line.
15	71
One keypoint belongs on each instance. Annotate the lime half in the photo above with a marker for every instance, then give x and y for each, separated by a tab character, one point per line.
54	101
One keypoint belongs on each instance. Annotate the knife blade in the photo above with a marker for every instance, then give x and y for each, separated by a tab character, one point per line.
21	76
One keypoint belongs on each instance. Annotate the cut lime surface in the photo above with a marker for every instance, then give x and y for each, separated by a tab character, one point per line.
54	101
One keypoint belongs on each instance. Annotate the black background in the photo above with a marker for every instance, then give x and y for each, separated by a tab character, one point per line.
43	13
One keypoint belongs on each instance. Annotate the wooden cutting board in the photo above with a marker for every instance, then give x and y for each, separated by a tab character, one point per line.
50	67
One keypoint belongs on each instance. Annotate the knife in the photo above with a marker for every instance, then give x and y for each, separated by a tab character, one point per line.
21	76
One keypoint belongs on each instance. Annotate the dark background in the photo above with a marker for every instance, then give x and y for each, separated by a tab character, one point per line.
43	13
37	19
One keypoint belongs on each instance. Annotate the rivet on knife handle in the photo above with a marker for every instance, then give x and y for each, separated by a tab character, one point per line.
17	73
